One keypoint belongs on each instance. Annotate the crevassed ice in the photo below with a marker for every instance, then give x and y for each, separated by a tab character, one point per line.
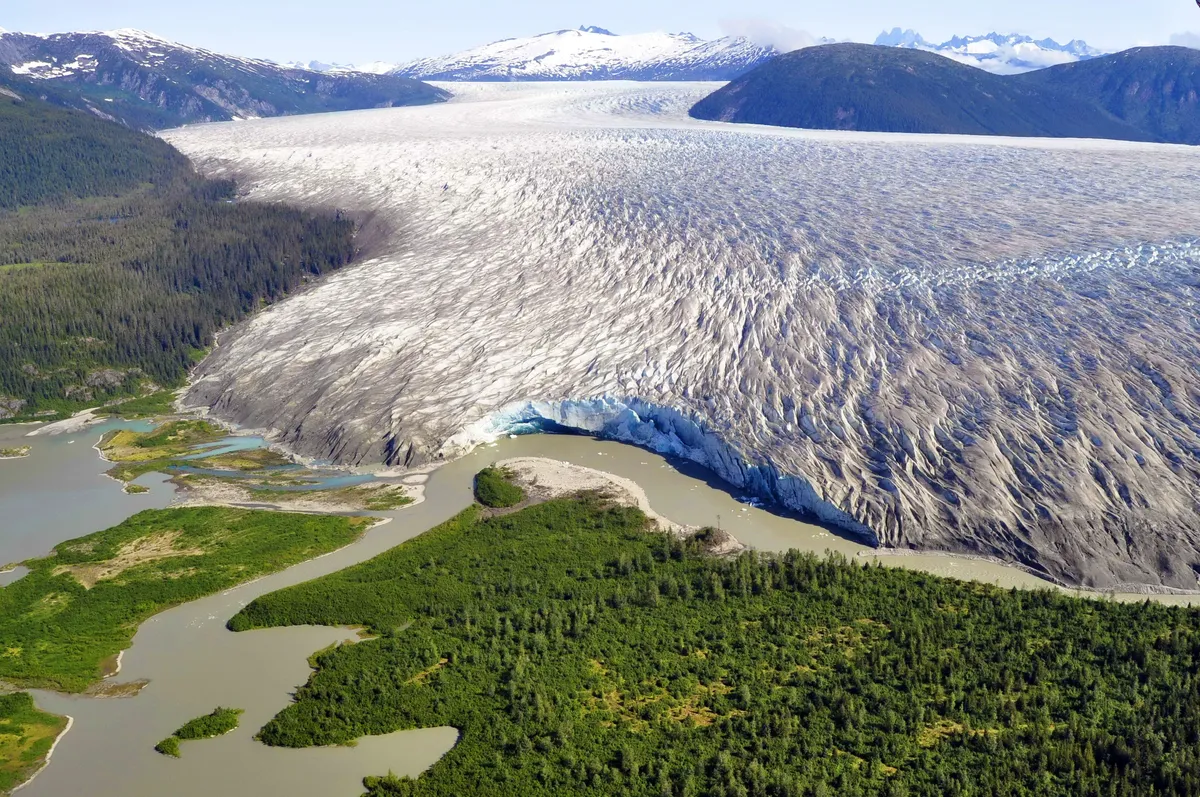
968	344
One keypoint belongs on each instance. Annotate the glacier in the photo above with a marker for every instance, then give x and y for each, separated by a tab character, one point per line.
975	345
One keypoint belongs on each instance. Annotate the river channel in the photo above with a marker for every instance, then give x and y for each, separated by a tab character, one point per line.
194	664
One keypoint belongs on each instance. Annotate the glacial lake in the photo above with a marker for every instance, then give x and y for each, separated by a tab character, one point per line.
194	664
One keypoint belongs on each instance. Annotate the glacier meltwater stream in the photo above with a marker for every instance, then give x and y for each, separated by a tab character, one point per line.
193	663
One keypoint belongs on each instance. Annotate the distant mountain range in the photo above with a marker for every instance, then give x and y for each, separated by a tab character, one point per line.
370	67
1002	54
148	82
1143	94
592	53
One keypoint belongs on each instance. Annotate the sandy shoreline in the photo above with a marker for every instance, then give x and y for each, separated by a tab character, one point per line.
76	423
552	478
218	493
49	755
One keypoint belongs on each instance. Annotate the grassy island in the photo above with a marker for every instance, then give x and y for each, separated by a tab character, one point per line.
14	453
494	488
220	722
26	737
577	653
138	453
244	476
79	607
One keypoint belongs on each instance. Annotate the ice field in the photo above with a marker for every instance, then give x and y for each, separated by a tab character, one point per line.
979	345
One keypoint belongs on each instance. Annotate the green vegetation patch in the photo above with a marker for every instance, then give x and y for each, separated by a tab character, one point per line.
494	488
220	722
26	736
247	460
83	604
168	746
171	439
578	653
14	453
158	403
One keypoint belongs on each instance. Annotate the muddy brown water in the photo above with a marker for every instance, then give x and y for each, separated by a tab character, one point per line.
60	491
194	664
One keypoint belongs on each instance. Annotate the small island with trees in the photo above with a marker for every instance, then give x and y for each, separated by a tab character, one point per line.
218	723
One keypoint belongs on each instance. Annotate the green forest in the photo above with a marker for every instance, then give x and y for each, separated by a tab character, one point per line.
118	263
53	153
579	654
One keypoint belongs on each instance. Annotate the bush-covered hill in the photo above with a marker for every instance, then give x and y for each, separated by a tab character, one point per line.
1146	94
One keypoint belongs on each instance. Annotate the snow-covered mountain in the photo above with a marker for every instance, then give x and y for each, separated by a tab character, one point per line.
592	53
1001	54
150	82
370	67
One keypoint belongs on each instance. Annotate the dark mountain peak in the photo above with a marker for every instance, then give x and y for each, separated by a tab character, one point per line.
594	29
901	38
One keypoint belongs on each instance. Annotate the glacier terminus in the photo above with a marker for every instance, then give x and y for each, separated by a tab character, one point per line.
973	345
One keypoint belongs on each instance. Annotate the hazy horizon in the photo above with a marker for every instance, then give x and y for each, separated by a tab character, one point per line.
377	30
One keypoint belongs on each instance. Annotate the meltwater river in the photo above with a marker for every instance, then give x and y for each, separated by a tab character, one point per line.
194	664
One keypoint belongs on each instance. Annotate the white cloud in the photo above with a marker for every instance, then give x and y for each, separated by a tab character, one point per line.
1186	40
767	33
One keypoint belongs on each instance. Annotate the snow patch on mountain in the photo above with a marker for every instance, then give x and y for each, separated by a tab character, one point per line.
1002	54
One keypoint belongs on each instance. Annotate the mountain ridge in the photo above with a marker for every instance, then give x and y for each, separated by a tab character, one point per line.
1143	94
1003	54
148	82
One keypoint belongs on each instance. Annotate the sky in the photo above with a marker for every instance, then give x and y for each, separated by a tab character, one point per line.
400	30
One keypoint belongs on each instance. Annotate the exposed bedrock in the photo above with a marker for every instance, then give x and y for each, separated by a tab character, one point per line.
979	346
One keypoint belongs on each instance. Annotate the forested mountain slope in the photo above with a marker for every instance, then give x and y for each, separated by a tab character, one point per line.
1146	94
118	262
1155	89
52	152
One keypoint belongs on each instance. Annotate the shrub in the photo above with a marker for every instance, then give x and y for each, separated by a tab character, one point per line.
494	488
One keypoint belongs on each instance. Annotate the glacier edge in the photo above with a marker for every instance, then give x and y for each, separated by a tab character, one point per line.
665	430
